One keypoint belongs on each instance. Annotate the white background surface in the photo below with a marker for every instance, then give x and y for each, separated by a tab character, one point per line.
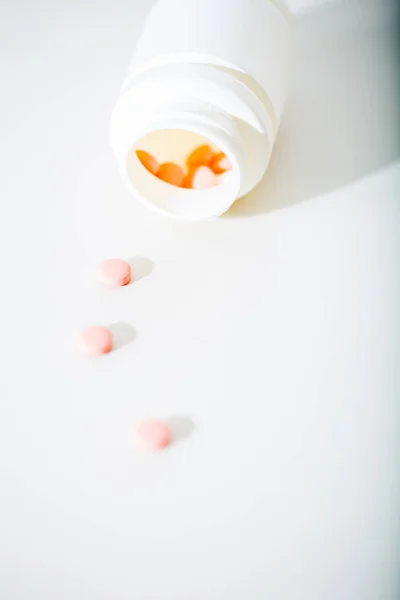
270	336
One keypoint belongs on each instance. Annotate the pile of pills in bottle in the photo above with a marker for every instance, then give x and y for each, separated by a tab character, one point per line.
202	170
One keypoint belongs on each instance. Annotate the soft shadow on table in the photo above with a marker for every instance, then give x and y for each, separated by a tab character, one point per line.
123	334
181	428
341	121
141	267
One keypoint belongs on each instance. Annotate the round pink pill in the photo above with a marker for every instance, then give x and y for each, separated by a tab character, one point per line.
153	435
201	178
115	272
96	341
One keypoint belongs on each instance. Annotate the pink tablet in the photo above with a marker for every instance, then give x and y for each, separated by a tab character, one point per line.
95	341
153	435
201	178
115	272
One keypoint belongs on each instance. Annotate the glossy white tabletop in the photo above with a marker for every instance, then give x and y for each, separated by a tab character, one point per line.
269	337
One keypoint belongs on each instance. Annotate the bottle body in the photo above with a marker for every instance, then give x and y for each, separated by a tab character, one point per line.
219	69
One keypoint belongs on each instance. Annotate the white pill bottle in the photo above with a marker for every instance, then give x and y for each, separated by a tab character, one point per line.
204	71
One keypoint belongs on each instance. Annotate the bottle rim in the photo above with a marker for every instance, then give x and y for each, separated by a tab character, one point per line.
182	203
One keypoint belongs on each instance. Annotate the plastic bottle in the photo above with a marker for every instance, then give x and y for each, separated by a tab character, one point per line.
204	71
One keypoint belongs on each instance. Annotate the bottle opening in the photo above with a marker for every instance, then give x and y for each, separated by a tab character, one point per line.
183	174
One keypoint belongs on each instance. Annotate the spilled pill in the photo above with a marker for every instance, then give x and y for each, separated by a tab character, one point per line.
201	156
221	163
115	272
148	161
153	435
171	173
96	341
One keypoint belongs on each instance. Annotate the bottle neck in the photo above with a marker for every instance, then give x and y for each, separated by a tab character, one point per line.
206	101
